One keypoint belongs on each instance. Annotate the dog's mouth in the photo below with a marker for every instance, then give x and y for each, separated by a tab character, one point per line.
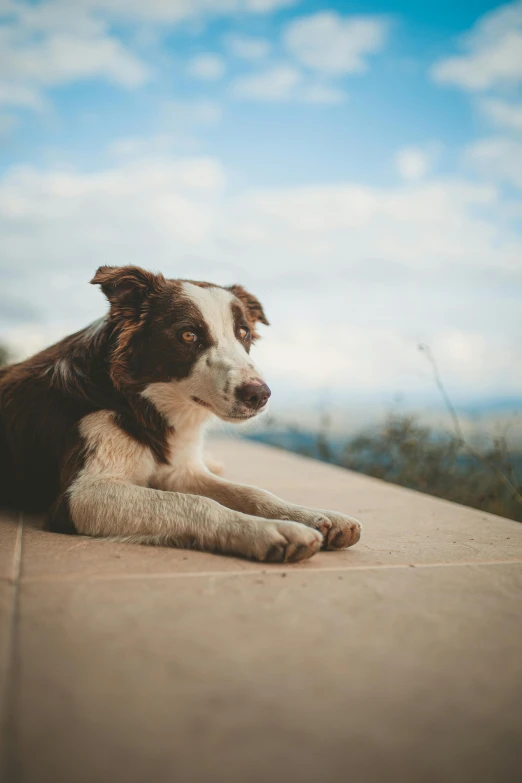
202	402
241	417
238	417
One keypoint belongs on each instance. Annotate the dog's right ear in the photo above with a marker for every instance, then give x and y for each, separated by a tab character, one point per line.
126	287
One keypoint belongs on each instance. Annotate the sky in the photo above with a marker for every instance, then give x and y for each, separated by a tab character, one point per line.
357	165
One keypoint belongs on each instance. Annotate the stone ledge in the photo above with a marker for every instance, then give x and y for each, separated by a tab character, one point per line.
396	660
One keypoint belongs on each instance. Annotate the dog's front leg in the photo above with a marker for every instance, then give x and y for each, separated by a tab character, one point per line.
111	496
126	512
338	530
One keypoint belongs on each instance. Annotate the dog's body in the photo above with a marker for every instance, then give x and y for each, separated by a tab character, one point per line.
104	430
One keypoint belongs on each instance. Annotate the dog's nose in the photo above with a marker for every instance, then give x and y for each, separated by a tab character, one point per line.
254	395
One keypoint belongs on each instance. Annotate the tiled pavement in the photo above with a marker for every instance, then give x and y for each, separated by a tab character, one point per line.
397	660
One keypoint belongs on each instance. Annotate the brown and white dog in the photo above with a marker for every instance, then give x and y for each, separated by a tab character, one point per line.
104	430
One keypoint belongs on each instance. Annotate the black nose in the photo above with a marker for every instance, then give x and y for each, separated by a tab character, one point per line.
254	395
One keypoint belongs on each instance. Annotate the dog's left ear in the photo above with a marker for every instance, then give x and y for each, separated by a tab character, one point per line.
252	306
126	287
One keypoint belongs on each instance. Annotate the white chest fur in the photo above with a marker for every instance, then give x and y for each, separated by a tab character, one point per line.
185	444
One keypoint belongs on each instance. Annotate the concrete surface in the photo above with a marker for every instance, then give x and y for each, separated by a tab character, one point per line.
397	660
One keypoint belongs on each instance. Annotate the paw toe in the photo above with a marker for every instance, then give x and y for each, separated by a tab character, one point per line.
343	536
323	525
276	554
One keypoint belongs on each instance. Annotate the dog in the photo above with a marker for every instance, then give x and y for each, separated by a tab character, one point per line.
104	430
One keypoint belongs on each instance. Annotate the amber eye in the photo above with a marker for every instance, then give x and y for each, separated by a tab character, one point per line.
244	331
188	337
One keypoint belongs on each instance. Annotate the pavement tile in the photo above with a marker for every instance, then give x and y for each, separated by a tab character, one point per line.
385	674
52	556
400	527
7	594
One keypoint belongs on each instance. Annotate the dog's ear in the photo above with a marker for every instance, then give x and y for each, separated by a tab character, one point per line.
253	306
126	287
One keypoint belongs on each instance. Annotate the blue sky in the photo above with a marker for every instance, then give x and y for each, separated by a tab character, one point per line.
359	165
85	116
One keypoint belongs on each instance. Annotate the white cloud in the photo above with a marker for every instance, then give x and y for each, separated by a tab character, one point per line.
190	113
507	115
352	276
365	358
21	96
422	226
329	42
53	44
248	48
206	66
497	158
323	93
52	12
145	147
63	58
276	84
492	52
59	41
179	121
412	163
55	17
263	6
284	83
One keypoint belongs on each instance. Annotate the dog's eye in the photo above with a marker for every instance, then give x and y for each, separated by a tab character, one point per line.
244	332
188	336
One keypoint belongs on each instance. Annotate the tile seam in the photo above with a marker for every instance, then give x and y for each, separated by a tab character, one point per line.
264	572
9	691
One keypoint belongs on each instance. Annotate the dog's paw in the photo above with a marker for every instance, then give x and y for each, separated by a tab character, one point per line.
338	530
288	542
344	531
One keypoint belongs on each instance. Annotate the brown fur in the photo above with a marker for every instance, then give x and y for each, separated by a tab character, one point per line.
252	306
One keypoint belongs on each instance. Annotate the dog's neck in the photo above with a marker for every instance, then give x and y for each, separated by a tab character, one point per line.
188	421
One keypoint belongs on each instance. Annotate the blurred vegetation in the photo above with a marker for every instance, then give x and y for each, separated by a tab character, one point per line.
447	465
4	355
405	452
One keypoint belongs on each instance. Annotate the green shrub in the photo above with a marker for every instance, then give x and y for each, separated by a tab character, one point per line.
405	452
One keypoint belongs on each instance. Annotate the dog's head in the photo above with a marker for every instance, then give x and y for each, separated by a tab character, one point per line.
192	338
